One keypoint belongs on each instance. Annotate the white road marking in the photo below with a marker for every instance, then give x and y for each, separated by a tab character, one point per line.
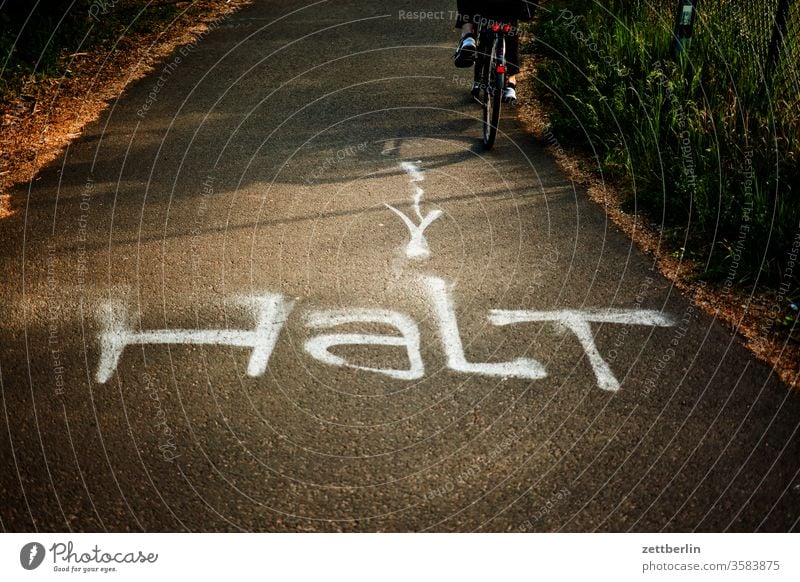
417	247
412	169
319	346
450	336
270	312
578	323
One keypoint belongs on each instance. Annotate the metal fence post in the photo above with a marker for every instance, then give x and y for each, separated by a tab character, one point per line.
684	24
776	42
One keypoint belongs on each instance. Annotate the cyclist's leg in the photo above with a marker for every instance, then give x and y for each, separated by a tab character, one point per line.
468	12
465	53
512	65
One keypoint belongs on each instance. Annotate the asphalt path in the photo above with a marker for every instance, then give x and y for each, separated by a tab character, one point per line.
213	320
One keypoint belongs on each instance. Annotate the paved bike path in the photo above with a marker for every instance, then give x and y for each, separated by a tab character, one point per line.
279	286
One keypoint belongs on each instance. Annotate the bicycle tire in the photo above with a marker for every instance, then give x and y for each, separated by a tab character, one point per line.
492	100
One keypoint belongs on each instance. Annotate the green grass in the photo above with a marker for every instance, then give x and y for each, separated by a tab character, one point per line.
682	133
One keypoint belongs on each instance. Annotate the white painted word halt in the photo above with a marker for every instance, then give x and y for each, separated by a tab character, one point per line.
270	312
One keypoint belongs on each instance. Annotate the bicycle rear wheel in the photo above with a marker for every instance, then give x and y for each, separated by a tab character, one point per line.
492	98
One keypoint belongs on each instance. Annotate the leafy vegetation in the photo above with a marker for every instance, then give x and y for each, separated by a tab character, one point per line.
36	38
709	147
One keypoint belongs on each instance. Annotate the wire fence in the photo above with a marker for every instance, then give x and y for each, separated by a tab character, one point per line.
698	101
760	39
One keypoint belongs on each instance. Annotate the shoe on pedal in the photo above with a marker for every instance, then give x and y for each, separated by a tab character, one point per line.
465	53
510	94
